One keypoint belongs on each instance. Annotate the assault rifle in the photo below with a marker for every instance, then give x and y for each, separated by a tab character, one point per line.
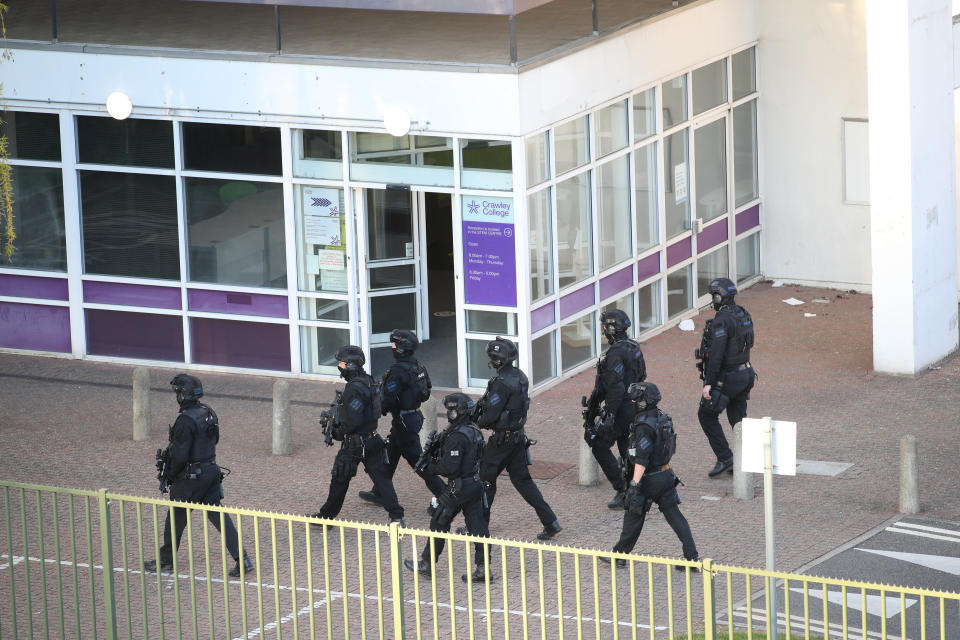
330	421
703	353
163	465
430	451
591	409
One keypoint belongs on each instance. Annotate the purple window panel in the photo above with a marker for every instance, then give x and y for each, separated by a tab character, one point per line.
38	327
249	304
252	345
748	219
678	252
134	295
576	301
615	282
542	317
712	236
33	287
649	266
134	335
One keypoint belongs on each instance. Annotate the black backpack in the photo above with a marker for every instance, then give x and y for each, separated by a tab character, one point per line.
666	443
421	382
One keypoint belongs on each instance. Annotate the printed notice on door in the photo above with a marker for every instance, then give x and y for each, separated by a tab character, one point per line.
321	216
489	251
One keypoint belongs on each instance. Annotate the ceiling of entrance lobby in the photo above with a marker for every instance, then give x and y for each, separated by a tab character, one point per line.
211	28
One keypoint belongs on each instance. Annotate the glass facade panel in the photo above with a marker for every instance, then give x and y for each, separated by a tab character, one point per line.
143	336
37	220
676	182
541	245
611	128
748	257
744	73
673	93
649	309
625	304
321	239
645	114
318	154
401	275
571	145
250	345
544	358
31	136
318	346
710	267
324	309
679	291
500	323
381	157
398	311
131	142
129	225
574	230
710	142
235	232
389	224
647	196
578	341
613	210
538	158
486	164
231	148
745	175
709	86
478	373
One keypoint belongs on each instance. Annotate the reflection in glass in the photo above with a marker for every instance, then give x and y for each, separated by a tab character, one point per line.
538	158
235	232
389	224
746	184
500	323
625	304
231	148
324	309
710	267
37	220
744	73
317	154
709	86
613	210
486	164
748	257
610	127
574	230
648	199
131	142
321	239
679	291
381	157
478	373
571	145
31	136
401	275
649	315
676	182
578	340
398	311
541	245
544	356
645	114
674	96
710	142
318	346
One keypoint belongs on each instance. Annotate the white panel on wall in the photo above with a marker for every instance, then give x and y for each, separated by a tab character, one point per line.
856	162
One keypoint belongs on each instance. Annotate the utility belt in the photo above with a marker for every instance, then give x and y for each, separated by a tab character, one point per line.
456	485
404	412
501	438
194	469
662	467
737	367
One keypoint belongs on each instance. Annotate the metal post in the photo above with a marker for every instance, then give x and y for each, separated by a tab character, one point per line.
709	614
276	26
596	19
768	520
513	40
106	557
909	475
396	580
429	411
53	21
282	442
141	403
589	474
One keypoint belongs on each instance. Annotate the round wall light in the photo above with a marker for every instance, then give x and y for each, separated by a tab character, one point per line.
119	105
396	121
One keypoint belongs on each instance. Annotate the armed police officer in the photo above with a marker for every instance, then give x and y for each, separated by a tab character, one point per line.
503	408
455	454
653	442
189	466
404	386
354	423
619	367
724	364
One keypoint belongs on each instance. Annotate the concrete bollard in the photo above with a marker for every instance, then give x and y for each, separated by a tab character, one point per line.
743	488
429	411
141	403
282	441
909	475
588	467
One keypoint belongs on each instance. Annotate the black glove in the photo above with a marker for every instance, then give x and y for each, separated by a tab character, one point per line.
605	424
635	500
589	435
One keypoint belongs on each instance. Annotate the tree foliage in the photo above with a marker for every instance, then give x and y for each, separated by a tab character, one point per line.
7	232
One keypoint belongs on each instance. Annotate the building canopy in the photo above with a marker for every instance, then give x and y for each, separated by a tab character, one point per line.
485	7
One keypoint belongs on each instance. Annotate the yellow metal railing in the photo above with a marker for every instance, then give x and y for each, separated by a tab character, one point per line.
74	564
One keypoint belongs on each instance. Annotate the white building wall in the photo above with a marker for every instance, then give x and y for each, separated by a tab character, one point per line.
812	73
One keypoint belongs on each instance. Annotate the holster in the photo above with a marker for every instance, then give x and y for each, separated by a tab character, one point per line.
412	420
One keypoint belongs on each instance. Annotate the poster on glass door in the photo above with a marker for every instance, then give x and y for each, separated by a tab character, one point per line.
489	253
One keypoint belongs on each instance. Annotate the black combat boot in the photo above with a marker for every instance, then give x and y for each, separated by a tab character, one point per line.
422	568
550	530
247	567
720	467
151	566
370	496
619	501
478	576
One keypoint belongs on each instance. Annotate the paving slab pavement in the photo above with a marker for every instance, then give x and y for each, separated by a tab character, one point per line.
69	423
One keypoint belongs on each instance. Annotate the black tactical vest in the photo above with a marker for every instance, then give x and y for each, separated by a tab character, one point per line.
519	400
206	432
741	339
665	443
470	462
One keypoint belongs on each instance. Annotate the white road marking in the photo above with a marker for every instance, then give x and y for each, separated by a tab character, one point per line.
855	601
923	527
921	534
947	564
815	625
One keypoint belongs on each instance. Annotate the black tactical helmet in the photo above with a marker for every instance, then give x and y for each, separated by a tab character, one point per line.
614	324
501	352
405	342
722	291
458	405
187	388
352	356
645	394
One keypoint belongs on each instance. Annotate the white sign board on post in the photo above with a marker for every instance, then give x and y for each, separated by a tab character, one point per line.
784	446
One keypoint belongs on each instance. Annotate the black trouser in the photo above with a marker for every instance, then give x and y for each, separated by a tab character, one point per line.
404	442
605	458
736	386
512	455
469	499
659	487
370	451
203	490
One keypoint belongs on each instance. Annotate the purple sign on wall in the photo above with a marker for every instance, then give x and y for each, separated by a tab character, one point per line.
489	253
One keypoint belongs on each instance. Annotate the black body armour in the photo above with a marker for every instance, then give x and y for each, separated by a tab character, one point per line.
415	380
634	367
664	445
515	411
740	341
470	464
206	432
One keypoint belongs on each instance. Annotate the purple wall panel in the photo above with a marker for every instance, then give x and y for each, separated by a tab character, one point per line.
134	295
712	236
616	282
542	317
33	287
250	304
38	327
649	266
678	252
134	335
252	345
576	301
748	219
